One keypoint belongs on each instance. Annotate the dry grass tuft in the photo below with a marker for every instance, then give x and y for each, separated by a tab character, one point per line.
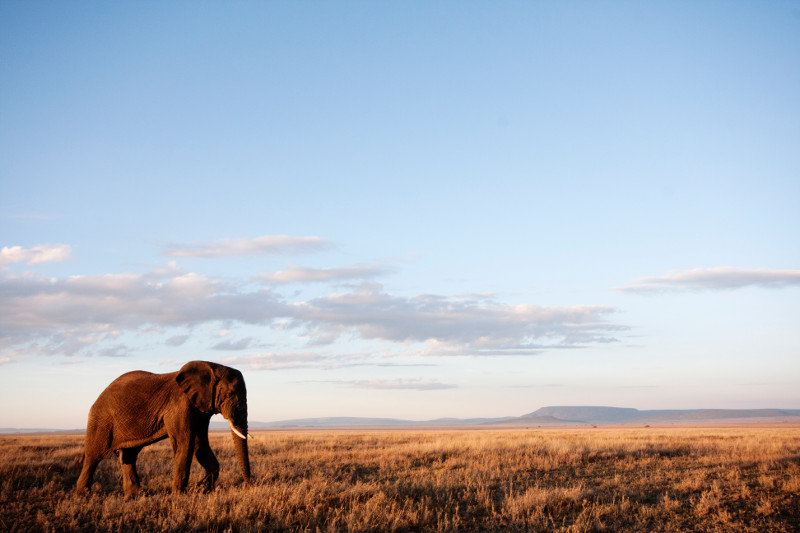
690	479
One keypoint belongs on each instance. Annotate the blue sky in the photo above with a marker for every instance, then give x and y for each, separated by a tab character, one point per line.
409	210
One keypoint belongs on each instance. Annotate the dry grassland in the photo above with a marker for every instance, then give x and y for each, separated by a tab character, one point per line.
645	479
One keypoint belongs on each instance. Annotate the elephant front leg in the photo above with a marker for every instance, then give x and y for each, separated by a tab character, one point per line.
183	465
94	449
87	473
130	478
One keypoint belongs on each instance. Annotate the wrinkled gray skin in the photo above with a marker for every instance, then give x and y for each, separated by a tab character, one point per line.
140	408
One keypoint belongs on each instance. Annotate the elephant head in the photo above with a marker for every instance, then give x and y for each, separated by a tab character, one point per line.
217	389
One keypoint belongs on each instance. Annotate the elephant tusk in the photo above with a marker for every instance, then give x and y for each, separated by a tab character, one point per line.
236	431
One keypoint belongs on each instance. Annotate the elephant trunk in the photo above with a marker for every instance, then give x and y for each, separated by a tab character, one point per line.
244	459
238	423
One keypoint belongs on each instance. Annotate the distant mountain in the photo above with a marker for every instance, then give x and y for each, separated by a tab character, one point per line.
540	421
11	431
720	415
356	422
329	422
618	415
552	416
586	414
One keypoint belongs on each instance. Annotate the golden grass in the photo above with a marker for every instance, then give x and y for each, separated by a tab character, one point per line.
572	480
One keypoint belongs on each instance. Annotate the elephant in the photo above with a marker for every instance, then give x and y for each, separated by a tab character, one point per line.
140	408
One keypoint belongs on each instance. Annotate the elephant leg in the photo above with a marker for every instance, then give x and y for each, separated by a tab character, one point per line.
208	461
95	448
90	463
130	478
183	464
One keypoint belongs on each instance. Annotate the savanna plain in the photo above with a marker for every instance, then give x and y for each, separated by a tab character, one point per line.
576	479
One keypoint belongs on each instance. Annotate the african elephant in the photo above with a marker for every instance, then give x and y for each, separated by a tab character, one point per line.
140	408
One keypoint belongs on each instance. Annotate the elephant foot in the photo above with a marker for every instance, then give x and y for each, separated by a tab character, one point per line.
132	492
207	483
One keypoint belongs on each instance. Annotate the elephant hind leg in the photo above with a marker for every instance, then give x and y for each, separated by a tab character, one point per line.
130	478
209	462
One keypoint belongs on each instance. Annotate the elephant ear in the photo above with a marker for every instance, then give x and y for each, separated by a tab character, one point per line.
197	381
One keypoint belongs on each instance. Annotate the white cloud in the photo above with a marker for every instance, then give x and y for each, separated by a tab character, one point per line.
42	253
397	384
312	359
464	326
67	315
280	361
715	279
177	340
119	350
232	345
70	315
264	245
298	274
